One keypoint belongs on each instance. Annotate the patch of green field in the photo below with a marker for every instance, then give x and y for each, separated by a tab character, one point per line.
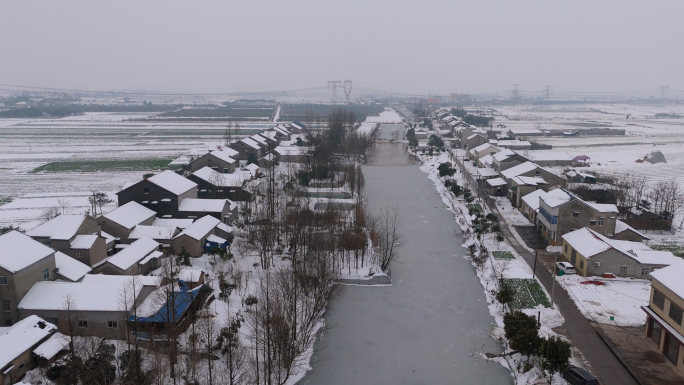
506	255
528	293
5	200
106	165
672	247
473	208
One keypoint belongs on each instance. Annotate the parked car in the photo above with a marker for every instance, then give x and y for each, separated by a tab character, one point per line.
578	376
566	267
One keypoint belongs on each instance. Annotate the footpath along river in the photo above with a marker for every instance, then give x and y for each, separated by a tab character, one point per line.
430	326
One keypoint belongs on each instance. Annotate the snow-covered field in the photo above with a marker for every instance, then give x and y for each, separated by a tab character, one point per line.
388	116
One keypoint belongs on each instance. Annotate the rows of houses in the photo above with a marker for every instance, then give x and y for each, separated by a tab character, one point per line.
84	273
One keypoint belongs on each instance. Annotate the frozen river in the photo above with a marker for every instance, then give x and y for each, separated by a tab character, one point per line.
431	324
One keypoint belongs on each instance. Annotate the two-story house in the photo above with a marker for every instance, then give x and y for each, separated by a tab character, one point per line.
665	313
213	185
163	192
78	236
482	150
121	221
561	212
506	159
247	149
23	262
223	161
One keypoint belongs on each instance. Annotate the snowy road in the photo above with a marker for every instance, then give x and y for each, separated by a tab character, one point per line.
431	324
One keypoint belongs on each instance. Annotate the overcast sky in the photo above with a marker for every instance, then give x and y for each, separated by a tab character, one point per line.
427	46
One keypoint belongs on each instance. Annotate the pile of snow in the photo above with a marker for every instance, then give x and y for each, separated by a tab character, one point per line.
655	157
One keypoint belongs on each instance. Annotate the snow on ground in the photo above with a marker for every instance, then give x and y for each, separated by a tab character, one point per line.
620	298
388	116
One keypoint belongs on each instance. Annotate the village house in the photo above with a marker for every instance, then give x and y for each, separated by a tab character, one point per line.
23	262
664	314
140	257
224	210
574	176
261	142
69	269
163	193
204	234
247	149
282	132
161	234
626	232
97	305
475	140
507	159
296	127
561	212
18	344
421	134
212	184
530	206
181	223
593	254
527	177
223	161
77	236
550	158
292	154
482	150
121	221
515	145
520	186
268	161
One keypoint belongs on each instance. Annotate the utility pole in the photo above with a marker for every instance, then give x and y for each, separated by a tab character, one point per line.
547	92
348	90
662	90
515	92
333	85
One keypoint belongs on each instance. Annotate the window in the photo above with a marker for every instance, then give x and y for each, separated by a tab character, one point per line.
582	264
8	322
675	313
575	214
3	280
659	299
6	305
566	248
536	173
592	222
78	254
83	324
623	270
644	272
46	274
573	256
226	171
600	222
147	190
112	325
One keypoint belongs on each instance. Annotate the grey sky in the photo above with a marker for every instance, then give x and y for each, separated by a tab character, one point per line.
428	46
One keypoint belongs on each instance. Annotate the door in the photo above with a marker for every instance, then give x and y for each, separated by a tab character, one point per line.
655	332
671	348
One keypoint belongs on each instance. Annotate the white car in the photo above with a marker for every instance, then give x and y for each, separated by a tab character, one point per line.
567	267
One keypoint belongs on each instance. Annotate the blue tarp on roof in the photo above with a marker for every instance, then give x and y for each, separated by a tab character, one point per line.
182	300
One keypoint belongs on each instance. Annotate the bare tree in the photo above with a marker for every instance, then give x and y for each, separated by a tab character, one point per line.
390	238
49	213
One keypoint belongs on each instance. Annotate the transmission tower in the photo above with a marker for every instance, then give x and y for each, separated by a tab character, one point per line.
334	85
516	92
663	90
348	89
547	92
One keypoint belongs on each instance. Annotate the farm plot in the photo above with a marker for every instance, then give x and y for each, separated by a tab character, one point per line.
528	293
503	255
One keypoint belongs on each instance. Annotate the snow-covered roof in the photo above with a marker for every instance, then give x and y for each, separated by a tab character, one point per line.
108	237
519	169
482	147
85	296
62	227
202	205
485	172
70	268
154	232
170	181
200	228
53	345
189	275
549	155
269	156
216	239
504	154
496	182
290	150
130	214
621	226
529	180
22	336
532	199
671	277
83	242
603	207
18	251
586	242
656	257
181	223
557	197
474	135
259	139
216	178
282	130
152	255
133	253
103	279
225	155
251	167
224	227
251	143
487	159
